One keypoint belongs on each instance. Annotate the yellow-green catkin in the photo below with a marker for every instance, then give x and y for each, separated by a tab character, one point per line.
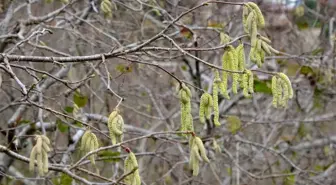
190	122
194	161
185	101
255	56
258	46
279	90
249	21
265	47
273	50
89	143
215	86
45	162
215	146
285	96
40	164
205	107
254	33
245	15
197	154
116	127
262	55
84	140
259	15
32	159
285	78
106	7
40	153
129	165
225	65
275	91
241	62
267	40
241	56
224	38
245	85
235	67
250	81
201	148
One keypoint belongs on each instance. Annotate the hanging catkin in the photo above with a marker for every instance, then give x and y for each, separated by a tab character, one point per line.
106	7
281	89
225	65
248	83
235	67
245	86
275	91
130	164
259	15
197	154
185	101
205	107
241	62
116	127
215	86
40	153
89	143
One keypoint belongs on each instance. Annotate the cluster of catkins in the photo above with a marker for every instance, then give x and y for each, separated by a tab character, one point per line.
116	126
129	165
252	20
89	143
40	153
233	64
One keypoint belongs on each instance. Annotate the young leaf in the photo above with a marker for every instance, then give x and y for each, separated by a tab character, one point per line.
79	99
62	127
234	124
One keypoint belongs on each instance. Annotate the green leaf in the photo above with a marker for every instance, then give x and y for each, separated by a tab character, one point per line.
24	121
302	24
157	12
294	155
262	86
307	70
327	150
78	124
68	109
214	24
186	32
123	69
317	99
302	131
62	127
234	124
318	168
110	156
317	51
229	171
79	99
292	68
184	68
289	180
65	179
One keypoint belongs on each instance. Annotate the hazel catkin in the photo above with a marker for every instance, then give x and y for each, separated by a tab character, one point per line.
259	15
40	153
205	105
